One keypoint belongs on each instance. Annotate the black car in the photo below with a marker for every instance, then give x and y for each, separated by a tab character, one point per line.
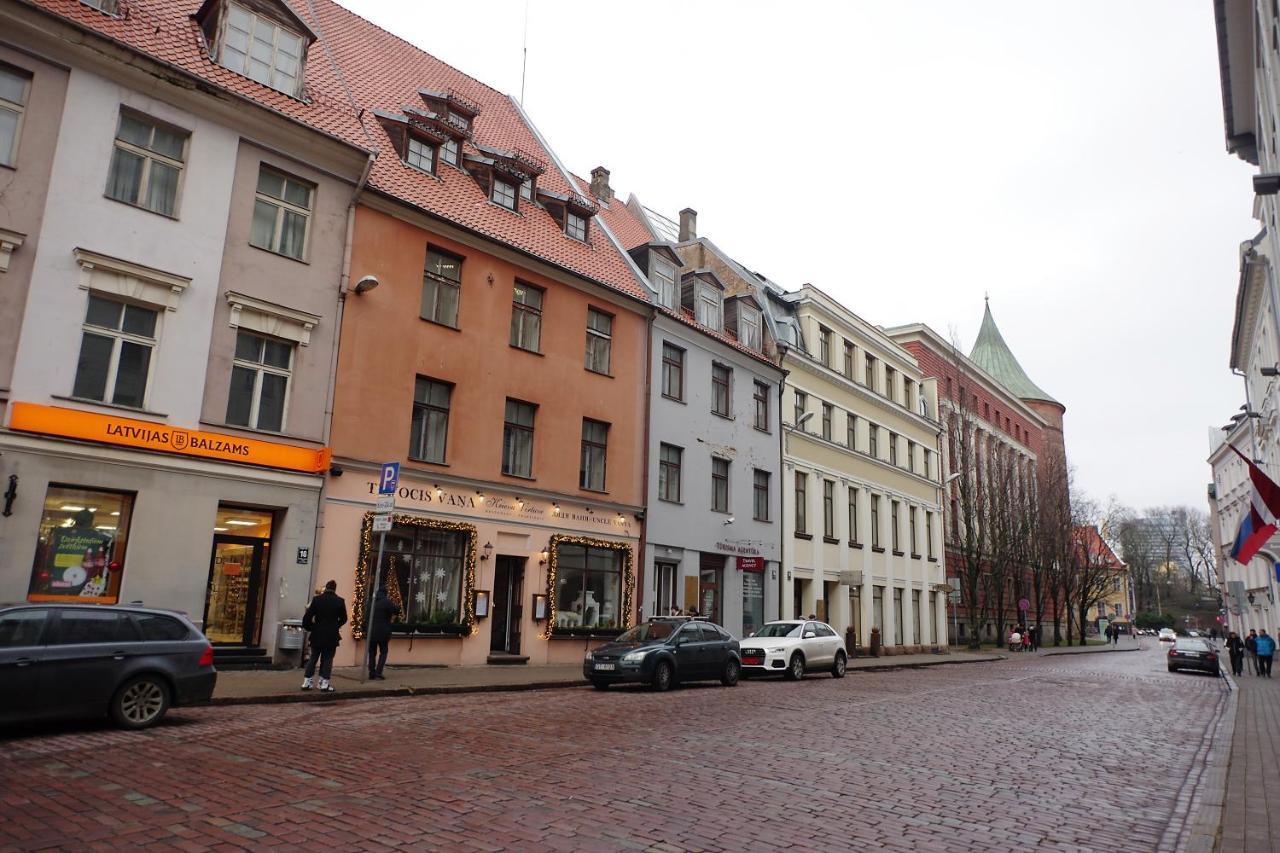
666	651
1193	653
87	660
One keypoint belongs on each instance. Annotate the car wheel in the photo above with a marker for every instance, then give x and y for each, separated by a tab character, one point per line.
141	702
795	667
662	677
599	684
1173	669
839	667
732	671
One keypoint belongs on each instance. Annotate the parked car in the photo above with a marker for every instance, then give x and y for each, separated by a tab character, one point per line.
1193	653
792	647
88	660
666	651
1167	635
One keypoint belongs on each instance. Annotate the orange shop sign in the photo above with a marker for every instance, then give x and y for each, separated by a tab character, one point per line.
90	426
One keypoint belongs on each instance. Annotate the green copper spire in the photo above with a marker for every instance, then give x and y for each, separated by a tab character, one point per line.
992	354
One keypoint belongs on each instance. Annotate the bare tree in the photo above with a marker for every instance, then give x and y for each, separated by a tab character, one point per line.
1095	565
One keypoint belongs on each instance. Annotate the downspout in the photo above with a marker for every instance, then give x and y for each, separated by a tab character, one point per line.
643	562
330	391
1248	414
782	479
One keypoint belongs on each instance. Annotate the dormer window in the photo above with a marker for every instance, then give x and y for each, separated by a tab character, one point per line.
526	189
663	276
449	152
575	226
749	327
707	307
504	193
421	155
261	49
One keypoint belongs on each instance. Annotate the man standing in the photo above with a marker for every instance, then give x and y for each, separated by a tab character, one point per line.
1251	650
384	610
1266	649
326	614
1235	648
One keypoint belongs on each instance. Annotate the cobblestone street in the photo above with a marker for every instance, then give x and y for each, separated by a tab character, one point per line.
1086	752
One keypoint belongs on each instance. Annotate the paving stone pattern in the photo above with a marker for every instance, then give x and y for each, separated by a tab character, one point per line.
1031	753
1251	813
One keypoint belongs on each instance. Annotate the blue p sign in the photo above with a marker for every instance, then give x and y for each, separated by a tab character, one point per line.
390	477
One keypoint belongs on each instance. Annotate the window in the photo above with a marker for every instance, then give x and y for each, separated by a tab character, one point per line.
595	445
503	194
146	163
721	377
426	565
663	274
853	516
669	457
908	389
875	521
893	527
81	627
802	503
430	431
851	430
526	317
665	585
14	88
890	382
828	509
802	405
719	484
421	155
869	377
824	346
115	352
599	340
760	495
928	534
911	456
80	554
707	307
441	288
22	628
526	189
517	439
877	609
897	616
588	587
672	372
281	213
575	226
848	360
261	50
259	382
749	327
873	441
928	464
762	406
911	522
827	410
893	448
449	152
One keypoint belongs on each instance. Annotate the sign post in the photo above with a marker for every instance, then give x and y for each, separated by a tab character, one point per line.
387	483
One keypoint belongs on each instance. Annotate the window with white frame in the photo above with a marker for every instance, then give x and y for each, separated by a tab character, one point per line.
429	433
441	287
259	382
517	439
146	164
281	214
526	189
663	275
749	327
449	152
526	317
15	86
262	50
599	340
575	226
110	7
115	352
595	451
504	193
707	307
421	155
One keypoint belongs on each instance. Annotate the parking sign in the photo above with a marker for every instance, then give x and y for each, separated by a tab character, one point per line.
390	478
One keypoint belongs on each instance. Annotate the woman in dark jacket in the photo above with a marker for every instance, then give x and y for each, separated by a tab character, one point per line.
326	614
1235	647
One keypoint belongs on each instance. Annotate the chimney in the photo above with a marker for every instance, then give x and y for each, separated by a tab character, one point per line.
600	184
688	224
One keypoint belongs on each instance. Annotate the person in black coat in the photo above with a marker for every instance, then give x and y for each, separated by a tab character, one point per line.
384	610
326	614
1235	647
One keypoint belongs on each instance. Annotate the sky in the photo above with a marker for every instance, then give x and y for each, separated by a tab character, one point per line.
912	157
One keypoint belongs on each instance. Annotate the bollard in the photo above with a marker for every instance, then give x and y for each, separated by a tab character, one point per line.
851	642
875	642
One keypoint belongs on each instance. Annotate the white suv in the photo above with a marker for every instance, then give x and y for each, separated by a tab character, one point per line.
1167	635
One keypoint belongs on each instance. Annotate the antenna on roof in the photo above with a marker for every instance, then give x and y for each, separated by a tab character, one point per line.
524	62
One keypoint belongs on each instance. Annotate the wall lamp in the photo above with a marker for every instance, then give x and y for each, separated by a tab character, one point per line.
367	283
488	551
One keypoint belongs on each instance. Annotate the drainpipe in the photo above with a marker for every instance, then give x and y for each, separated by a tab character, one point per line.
783	347
1248	411
643	562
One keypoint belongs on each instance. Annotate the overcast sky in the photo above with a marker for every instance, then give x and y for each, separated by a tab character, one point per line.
908	157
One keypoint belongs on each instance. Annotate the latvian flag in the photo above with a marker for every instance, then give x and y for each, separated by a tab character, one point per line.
1260	522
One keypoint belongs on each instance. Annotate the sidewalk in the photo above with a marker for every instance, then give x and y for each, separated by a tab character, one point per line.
1126	644
1251	808
268	686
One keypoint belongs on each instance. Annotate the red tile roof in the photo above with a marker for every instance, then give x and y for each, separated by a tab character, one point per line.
383	72
625	225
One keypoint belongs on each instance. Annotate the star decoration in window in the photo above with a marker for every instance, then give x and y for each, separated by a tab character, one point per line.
441	596
421	598
440	571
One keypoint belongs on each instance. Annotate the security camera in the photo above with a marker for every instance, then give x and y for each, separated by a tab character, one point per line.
369	282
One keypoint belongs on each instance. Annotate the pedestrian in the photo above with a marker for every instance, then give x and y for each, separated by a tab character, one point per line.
1266	649
1015	640
1115	635
1026	640
1235	648
1251	651
673	611
384	610
325	615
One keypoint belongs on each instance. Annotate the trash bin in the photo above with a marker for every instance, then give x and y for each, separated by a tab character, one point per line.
291	635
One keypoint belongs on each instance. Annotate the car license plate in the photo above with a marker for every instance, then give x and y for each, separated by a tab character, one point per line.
753	661
605	666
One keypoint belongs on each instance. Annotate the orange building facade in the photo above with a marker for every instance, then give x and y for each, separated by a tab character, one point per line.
512	394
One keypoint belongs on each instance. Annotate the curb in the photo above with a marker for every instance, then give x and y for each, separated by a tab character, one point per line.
920	665
1204	832
401	692
1053	654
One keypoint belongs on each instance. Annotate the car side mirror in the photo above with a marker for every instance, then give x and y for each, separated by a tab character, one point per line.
752	634
808	635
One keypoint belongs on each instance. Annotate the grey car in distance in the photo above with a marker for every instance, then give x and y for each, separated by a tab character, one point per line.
129	663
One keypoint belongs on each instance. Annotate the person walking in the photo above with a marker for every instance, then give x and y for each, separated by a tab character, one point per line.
384	611
1115	635
1266	649
1026	640
325	615
1235	648
1251	651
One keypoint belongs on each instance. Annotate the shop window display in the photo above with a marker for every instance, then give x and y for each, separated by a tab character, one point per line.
81	548
423	569
588	587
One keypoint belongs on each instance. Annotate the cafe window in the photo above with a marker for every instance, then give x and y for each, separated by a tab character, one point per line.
259	382
115	352
425	565
80	551
588	587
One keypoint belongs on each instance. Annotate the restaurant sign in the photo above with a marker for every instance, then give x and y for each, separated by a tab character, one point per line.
507	507
109	429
